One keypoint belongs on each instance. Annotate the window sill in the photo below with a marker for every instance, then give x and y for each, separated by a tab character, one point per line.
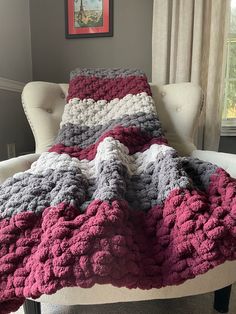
228	127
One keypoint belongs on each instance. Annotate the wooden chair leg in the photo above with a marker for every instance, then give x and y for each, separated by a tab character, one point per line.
32	307
221	300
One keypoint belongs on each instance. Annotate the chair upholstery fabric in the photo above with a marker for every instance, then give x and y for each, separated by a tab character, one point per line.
223	160
22	163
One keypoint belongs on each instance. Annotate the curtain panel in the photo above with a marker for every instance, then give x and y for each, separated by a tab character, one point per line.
189	45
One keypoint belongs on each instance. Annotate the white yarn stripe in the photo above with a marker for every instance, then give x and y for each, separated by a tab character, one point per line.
90	112
111	149
61	162
108	150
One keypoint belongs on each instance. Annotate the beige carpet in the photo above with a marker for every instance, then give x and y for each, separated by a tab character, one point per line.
201	304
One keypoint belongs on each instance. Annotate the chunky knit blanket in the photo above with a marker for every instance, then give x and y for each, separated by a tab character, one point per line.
111	202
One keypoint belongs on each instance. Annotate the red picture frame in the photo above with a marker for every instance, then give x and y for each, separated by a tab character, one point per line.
88	18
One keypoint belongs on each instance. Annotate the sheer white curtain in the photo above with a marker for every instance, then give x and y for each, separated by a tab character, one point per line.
189	45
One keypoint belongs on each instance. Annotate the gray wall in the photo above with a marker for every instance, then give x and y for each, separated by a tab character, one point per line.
15	51
13	125
16	64
54	56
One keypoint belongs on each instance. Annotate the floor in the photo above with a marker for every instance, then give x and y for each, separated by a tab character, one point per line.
201	304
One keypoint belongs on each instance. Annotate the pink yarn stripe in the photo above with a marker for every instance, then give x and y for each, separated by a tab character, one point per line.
111	243
106	88
132	137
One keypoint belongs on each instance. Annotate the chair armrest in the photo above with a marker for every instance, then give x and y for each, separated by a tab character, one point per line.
223	160
11	166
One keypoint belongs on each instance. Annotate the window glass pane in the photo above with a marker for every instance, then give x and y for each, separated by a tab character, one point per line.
229	111
233	17
230	108
232	58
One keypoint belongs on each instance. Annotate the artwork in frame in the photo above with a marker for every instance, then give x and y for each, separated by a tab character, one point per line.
88	18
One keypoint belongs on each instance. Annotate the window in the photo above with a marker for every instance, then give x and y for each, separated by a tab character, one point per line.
229	110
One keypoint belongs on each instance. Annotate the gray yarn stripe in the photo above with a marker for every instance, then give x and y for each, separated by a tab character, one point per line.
106	73
35	192
142	191
199	171
152	186
28	192
83	136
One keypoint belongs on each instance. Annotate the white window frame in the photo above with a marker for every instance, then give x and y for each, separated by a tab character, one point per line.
228	127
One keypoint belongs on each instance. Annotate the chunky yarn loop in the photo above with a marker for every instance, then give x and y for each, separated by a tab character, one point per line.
111	201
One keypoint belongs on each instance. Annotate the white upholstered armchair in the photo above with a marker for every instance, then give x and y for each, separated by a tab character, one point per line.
179	107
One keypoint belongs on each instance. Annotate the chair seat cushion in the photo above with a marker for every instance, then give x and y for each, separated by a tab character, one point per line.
217	278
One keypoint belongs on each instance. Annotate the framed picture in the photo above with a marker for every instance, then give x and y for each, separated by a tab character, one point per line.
88	18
